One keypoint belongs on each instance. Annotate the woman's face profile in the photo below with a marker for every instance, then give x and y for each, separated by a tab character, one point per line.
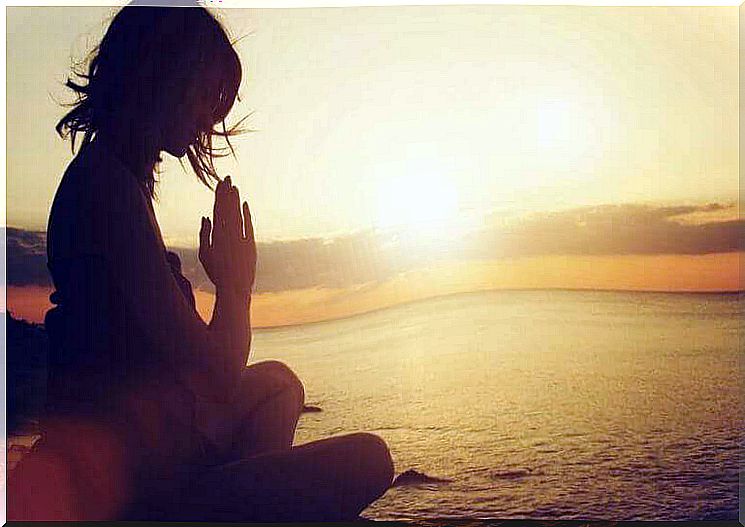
179	135
190	116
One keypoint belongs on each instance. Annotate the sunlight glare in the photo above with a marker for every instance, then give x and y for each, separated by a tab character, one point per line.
563	128
417	202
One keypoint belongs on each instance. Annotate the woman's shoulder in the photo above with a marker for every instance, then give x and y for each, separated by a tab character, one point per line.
95	190
94	168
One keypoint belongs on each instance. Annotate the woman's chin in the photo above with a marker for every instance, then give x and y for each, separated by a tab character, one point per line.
178	152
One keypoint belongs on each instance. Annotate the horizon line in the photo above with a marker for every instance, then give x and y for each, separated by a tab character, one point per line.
459	293
495	290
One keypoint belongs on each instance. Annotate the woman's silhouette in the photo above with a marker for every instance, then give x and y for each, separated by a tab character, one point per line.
153	413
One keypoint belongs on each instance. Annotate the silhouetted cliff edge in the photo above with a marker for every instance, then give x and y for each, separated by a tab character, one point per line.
27	355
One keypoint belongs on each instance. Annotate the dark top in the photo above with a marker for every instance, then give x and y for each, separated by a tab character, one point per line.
124	314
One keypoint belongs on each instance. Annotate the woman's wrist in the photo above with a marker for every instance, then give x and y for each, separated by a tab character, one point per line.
231	293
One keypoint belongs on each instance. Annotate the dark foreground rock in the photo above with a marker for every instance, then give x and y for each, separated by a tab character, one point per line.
413	477
27	355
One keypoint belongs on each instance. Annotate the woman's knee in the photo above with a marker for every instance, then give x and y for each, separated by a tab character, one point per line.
376	460
285	381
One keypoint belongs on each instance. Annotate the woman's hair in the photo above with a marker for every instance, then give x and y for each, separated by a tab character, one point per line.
149	62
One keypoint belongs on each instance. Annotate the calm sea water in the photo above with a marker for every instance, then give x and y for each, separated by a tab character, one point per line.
537	404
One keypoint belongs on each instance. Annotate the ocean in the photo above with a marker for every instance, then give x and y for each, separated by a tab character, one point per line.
537	404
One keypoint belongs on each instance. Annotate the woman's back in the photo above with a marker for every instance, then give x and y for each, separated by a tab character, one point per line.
97	341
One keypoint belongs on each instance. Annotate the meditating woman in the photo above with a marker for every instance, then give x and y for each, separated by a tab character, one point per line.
152	413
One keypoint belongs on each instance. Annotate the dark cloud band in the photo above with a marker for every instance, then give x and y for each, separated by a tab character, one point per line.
374	256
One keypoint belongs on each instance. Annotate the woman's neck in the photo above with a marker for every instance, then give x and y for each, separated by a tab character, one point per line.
140	158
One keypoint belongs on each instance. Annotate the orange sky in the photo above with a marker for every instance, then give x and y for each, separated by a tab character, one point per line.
711	272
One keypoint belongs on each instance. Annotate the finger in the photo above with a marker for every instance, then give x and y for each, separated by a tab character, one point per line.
236	226
236	196
216	207
227	214
248	226
219	189
220	213
204	233
229	189
223	186
204	241
225	197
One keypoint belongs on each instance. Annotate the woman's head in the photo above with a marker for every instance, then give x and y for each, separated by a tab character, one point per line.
162	79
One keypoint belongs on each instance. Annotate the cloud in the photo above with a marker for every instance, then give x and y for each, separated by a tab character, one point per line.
623	229
368	256
26	257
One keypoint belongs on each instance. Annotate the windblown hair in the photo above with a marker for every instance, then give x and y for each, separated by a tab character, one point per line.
150	60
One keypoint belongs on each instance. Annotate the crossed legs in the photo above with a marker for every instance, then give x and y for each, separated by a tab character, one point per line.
263	477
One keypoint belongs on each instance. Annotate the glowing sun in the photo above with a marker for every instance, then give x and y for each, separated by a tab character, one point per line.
419	202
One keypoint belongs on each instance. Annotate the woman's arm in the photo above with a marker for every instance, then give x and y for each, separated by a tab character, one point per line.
228	254
231	317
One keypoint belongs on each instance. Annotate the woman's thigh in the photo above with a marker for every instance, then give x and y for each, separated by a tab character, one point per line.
327	480
268	401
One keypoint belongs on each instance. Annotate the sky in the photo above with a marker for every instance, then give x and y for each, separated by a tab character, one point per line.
481	134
